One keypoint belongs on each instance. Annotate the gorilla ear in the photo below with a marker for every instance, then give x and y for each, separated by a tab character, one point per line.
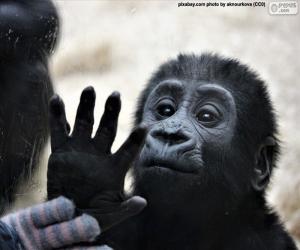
263	164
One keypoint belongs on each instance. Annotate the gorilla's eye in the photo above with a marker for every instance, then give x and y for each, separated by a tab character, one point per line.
165	108
208	115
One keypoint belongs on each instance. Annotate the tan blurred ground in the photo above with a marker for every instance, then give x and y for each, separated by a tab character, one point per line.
115	45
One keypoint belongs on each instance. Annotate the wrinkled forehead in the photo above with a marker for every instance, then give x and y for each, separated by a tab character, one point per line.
192	88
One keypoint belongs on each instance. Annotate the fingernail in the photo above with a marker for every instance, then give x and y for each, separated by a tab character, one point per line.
116	94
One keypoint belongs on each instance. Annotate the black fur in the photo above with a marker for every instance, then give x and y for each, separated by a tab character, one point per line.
211	196
28	34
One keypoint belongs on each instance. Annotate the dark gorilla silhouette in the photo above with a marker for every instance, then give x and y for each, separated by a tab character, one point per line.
28	34
208	156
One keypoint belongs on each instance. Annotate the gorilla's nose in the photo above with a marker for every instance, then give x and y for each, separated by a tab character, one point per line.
170	138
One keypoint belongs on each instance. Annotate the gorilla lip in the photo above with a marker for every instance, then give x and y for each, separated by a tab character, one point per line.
167	164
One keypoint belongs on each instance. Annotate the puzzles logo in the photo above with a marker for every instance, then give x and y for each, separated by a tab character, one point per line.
283	7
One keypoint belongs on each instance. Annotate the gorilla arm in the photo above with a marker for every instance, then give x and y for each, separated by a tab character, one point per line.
83	169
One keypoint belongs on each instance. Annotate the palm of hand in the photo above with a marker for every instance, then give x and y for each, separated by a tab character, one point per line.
83	168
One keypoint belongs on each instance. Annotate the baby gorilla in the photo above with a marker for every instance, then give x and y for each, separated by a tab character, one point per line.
203	169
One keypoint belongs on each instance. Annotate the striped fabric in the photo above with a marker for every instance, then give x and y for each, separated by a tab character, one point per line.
51	225
9	239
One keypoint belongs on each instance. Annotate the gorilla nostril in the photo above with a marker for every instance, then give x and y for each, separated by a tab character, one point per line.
170	138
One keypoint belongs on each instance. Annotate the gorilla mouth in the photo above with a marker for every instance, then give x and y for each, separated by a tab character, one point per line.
163	164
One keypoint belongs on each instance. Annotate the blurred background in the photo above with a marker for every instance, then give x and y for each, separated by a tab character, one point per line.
116	45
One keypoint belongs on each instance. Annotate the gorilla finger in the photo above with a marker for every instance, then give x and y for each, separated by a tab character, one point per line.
85	113
68	127
58	122
131	147
127	209
107	130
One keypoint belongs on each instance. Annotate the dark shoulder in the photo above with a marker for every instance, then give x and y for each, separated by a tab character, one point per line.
270	235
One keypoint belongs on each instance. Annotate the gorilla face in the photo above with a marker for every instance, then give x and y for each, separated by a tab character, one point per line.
182	118
190	126
211	139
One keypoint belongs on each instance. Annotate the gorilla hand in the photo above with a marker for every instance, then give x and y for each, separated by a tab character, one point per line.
84	169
